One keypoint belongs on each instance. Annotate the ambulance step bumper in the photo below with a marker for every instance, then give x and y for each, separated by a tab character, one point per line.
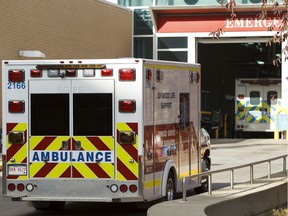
84	199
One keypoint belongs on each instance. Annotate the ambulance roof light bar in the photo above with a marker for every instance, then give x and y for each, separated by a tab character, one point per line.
71	66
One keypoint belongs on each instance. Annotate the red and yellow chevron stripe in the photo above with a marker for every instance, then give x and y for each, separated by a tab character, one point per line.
127	154
49	170
16	152
123	168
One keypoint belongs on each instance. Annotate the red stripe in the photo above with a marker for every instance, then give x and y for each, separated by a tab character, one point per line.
125	171
10	127
44	143
97	142
131	150
134	127
66	173
13	150
95	168
12	176
45	170
75	173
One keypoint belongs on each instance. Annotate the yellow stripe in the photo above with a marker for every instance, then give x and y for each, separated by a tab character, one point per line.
57	143
21	154
85	143
171	67
109	141
20	127
35	167
150	184
120	177
34	141
58	170
84	170
22	178
108	168
125	158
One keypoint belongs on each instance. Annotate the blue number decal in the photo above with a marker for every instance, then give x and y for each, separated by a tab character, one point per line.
16	85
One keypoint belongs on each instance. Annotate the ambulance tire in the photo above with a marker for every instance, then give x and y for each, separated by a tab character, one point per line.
48	206
170	188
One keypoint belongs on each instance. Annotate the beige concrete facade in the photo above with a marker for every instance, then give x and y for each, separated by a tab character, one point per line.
64	29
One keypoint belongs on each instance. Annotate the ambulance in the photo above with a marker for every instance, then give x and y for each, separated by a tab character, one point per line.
257	101
101	130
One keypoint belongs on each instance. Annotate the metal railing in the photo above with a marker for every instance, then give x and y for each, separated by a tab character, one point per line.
231	170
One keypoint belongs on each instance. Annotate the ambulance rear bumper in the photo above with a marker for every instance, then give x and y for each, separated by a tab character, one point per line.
82	199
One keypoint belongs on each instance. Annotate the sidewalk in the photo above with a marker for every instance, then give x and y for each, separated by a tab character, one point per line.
246	199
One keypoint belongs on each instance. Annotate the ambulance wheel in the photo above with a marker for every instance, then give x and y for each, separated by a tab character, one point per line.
170	188
48	205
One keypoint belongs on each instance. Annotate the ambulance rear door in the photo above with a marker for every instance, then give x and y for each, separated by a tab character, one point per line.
71	128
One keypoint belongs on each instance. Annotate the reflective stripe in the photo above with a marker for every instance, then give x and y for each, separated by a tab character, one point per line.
127	154
16	151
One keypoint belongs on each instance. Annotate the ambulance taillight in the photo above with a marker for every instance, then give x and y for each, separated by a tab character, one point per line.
16	76
34	73
107	72
240	97
127	74
127	106
16	106
71	72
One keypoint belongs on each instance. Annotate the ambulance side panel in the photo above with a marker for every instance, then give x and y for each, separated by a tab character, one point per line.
171	126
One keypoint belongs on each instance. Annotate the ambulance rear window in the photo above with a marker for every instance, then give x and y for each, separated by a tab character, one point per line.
92	114
49	114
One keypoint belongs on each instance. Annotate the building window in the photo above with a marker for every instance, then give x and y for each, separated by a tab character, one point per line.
143	47
173	56
142	22
173	48
211	3
172	42
135	2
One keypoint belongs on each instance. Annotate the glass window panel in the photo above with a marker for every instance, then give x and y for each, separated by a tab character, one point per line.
172	42
135	2
173	56
49	114
92	114
143	47
254	97
272	97
142	22
213	3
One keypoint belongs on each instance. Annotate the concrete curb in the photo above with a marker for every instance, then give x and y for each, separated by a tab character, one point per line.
263	196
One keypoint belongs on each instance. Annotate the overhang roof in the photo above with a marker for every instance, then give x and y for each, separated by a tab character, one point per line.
157	11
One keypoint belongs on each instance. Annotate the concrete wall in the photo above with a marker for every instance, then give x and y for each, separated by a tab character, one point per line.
259	203
64	29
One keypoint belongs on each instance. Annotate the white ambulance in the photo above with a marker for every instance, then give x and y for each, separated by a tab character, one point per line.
102	130
257	101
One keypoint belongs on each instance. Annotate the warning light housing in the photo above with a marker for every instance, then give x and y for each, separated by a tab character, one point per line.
128	74
127	106
16	76
107	72
16	106
35	73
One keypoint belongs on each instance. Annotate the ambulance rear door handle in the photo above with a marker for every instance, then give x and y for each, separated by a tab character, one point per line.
78	145
64	145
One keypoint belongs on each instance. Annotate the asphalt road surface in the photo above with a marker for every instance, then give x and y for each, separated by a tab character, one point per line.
224	153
